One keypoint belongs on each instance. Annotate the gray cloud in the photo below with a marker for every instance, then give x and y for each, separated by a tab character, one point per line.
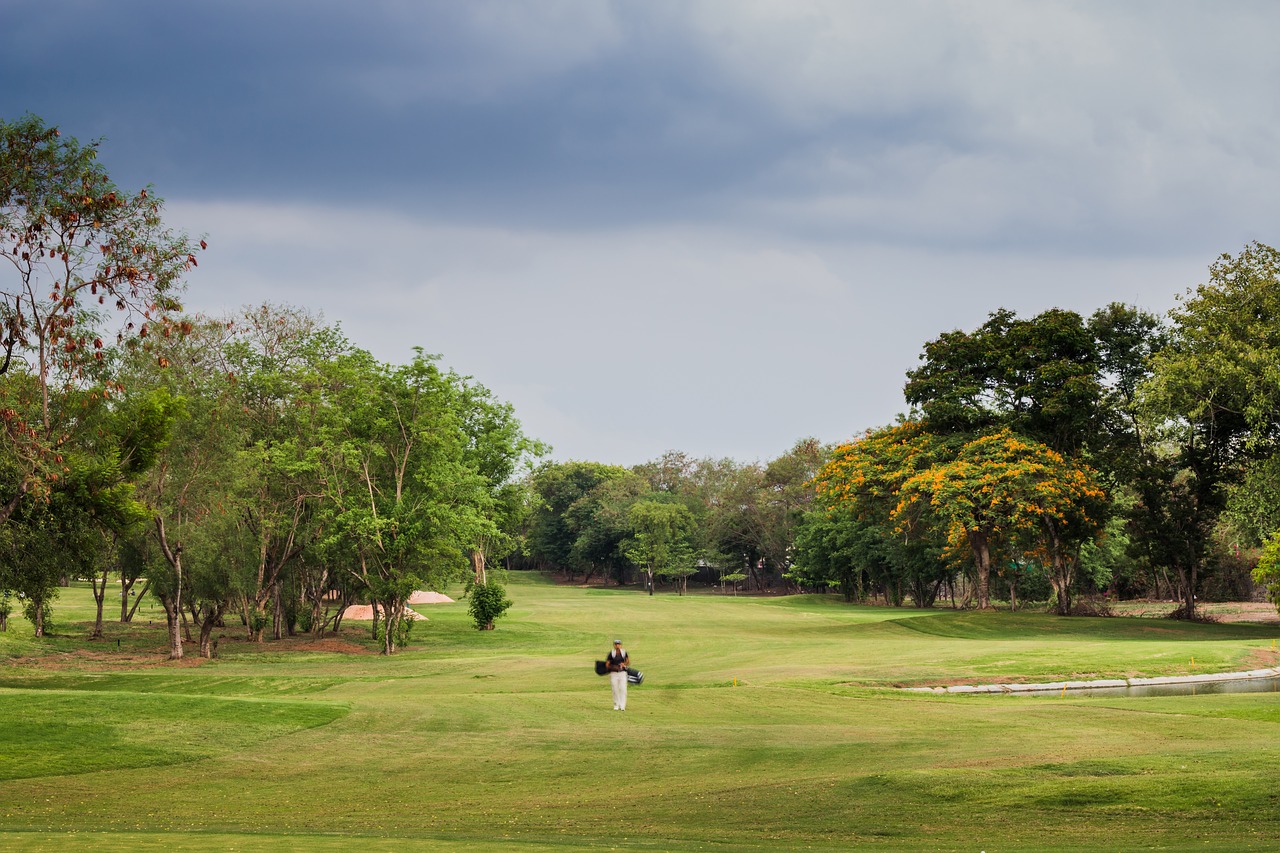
714	225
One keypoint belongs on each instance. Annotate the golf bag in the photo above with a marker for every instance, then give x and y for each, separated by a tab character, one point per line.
635	676
601	667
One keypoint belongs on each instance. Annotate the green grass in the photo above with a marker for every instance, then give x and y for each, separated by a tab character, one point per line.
764	724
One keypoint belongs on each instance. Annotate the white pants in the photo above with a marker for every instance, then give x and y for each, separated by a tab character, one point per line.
618	681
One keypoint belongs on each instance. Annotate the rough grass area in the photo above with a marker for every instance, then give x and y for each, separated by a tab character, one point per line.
763	724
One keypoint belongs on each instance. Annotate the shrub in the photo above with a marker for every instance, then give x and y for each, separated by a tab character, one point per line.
488	602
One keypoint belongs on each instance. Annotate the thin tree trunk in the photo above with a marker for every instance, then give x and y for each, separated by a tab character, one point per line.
982	562
99	598
172	608
127	614
173	619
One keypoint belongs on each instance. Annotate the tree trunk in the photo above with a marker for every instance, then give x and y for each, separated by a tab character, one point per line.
126	615
207	624
478	566
99	598
1186	593
172	607
982	562
125	588
1060	577
277	613
391	621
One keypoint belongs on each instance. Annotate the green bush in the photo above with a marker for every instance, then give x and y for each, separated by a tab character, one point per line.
488	602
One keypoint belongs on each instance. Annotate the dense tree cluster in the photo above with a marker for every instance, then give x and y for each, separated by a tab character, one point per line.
673	518
1122	451
259	467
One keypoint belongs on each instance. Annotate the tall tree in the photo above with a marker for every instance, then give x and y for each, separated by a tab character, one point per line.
200	479
77	246
408	503
557	486
496	447
1038	376
1213	407
857	527
282	359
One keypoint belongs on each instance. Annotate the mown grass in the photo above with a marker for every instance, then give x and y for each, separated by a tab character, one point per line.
764	724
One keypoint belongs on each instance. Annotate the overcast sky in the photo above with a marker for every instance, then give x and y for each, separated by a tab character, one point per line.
715	227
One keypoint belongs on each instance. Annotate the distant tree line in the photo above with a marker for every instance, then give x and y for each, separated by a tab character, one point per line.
1122	454
671	519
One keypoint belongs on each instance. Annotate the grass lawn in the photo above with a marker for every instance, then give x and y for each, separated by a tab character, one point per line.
763	724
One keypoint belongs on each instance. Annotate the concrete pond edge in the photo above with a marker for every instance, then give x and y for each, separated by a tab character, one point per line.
1273	672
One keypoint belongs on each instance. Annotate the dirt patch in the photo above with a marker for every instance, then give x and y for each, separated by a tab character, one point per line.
1263	658
1258	612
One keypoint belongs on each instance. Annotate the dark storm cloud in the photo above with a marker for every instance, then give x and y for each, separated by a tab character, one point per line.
1003	125
417	105
716	225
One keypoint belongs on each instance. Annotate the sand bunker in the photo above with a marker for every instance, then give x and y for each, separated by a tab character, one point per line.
364	613
424	597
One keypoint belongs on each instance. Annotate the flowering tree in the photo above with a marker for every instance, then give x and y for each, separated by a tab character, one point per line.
1001	485
77	248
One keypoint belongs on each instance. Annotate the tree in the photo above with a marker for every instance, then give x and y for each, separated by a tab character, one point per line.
488	602
1037	376
200	479
557	486
283	361
406	503
601	523
1212	409
855	527
495	447
660	540
1000	484
76	245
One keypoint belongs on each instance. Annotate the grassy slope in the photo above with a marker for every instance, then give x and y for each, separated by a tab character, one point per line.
474	741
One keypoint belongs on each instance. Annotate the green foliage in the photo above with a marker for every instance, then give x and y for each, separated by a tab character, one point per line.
554	529
1212	408
1267	571
1224	366
488	601
660	540
1039	377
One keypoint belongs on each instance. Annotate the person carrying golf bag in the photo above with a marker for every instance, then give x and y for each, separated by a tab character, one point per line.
616	664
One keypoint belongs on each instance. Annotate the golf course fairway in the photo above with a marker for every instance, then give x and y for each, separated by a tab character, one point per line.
764	723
